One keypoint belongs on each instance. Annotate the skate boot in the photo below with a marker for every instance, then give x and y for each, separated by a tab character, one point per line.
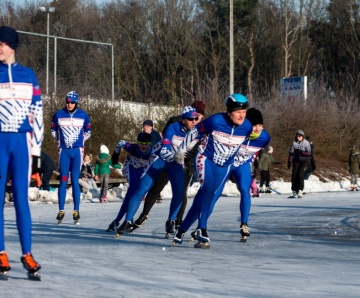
125	226
4	265
300	194
193	236
203	239
31	266
169	228
112	226
178	222
76	217
268	190
140	221
104	199
293	195
179	236
244	231
60	216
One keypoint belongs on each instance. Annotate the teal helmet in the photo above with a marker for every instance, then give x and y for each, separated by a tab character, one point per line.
235	102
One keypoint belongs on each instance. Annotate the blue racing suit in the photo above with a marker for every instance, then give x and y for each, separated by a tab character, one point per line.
221	142
173	137
134	167
70	130
21	136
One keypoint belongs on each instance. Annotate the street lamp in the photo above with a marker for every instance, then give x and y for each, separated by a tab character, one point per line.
48	11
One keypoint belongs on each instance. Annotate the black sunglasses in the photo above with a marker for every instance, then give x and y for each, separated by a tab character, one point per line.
192	119
144	143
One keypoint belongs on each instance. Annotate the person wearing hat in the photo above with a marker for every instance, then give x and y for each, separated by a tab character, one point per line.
70	127
21	136
173	137
265	162
222	135
299	158
140	157
154	194
102	171
148	127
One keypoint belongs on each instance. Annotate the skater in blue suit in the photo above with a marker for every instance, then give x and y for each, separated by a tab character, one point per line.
21	136
139	159
70	127
173	137
241	170
222	136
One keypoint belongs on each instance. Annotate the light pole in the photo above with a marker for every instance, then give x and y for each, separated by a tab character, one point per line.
47	11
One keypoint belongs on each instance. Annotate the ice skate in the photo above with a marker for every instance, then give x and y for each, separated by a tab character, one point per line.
4	266
76	217
178	222
112	226
203	245
31	266
268	190
293	195
60	216
140	221
262	189
300	194
169	228
202	235
179	236
125	226
244	231
193	236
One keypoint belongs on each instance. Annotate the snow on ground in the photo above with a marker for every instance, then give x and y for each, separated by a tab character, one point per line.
305	247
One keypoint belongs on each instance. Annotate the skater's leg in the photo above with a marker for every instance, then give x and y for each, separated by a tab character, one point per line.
64	168
155	191
180	214
176	176
75	169
20	169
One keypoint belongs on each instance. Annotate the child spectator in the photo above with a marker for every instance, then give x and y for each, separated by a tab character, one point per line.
264	167
354	167
102	169
87	171
254	190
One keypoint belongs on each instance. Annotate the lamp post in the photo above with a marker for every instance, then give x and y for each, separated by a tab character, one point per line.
47	11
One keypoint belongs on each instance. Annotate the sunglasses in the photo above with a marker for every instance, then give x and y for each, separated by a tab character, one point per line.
70	102
144	143
299	136
192	119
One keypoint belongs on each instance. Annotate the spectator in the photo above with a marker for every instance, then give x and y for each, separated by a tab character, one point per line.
102	171
46	170
148	127
87	171
264	167
354	167
299	158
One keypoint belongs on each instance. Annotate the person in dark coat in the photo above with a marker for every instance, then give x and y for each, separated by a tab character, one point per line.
148	127
46	170
354	167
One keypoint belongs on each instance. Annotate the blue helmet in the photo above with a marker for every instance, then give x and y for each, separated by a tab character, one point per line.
72	96
235	102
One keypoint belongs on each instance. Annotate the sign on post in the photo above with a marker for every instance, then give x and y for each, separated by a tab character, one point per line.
293	88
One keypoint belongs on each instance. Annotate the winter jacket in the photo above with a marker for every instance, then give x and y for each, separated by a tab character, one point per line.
354	161
87	171
103	164
265	161
300	151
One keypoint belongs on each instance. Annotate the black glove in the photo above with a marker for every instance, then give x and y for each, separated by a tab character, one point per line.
289	164
36	164
115	157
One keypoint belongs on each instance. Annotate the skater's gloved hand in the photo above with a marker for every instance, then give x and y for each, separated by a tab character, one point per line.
36	164
289	164
179	156
119	146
